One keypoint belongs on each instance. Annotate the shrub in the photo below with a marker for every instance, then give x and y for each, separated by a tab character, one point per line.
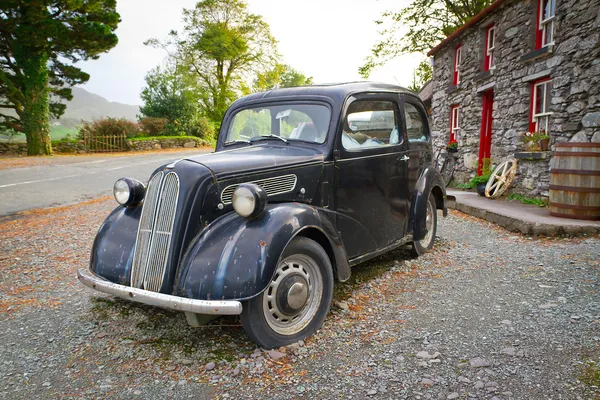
109	127
200	128
153	126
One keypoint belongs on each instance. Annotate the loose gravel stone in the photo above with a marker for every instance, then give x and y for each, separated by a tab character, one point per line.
476	295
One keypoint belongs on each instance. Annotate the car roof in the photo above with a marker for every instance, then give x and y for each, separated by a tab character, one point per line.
336	91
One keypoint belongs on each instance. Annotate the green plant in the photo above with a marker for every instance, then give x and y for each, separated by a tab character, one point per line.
109	127
531	139
528	200
486	173
154	126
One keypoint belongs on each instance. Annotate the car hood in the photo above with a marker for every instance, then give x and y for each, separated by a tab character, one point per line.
256	157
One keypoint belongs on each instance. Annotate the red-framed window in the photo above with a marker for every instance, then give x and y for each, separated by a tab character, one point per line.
545	23
490	46
454	122
539	120
457	59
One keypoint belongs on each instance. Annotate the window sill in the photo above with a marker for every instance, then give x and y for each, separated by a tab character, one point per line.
533	155
538	53
453	89
483	75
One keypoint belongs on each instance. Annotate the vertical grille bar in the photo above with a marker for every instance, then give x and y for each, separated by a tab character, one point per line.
144	235
154	241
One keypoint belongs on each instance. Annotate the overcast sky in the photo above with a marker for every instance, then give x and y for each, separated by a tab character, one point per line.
325	39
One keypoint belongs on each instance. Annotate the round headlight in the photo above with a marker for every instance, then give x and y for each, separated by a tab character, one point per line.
128	192
249	200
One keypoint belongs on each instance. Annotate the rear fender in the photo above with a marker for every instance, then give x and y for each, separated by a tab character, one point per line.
429	182
236	257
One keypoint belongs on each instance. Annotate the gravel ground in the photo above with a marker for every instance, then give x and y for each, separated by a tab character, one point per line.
486	315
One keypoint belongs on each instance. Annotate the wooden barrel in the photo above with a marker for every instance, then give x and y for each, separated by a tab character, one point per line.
575	181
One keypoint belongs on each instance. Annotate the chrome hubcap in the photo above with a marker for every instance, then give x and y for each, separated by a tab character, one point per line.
292	299
428	226
297	295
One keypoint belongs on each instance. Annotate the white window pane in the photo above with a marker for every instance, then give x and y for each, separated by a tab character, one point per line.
539	99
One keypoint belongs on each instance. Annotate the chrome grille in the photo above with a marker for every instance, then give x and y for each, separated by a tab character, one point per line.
154	232
273	186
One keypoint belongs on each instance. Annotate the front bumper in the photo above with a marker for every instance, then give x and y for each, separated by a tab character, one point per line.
210	307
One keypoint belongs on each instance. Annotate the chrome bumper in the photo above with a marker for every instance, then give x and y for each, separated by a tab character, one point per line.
211	307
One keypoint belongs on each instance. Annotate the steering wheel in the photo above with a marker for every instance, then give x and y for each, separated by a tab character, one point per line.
501	178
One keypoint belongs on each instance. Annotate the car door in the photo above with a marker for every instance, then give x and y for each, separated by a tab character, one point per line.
416	131
370	174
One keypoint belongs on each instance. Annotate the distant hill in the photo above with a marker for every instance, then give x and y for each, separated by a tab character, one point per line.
88	106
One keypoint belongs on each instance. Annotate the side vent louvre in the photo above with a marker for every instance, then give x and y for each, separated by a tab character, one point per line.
273	186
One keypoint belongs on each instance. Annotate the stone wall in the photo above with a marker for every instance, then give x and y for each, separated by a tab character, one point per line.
20	149
573	64
171	143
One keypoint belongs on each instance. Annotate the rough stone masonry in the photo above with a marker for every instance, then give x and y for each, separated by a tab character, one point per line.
572	63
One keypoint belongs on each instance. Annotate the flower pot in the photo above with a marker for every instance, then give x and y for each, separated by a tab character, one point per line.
452	150
544	144
481	189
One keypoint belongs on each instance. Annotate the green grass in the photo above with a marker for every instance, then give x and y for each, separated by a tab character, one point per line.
57	132
528	200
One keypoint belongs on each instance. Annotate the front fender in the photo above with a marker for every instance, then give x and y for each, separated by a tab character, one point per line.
236	257
112	251
430	181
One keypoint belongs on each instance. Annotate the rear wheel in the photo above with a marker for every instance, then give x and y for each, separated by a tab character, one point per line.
422	246
297	300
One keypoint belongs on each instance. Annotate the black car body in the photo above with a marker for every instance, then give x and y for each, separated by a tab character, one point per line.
349	177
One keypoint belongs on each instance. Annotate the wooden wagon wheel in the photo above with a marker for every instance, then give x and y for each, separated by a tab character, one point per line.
501	178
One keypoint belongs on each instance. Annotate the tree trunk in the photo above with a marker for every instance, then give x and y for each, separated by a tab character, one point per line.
36	107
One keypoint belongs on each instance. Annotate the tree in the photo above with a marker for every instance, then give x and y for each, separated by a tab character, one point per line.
39	42
222	45
167	94
428	23
170	94
422	74
280	76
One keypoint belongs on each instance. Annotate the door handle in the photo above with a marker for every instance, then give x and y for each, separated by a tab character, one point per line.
404	158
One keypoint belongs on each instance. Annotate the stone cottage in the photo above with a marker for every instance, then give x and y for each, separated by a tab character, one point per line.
518	66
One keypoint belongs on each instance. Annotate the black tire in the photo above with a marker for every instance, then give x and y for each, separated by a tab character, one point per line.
255	311
422	246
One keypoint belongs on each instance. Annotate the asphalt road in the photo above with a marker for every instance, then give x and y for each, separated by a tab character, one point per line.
50	186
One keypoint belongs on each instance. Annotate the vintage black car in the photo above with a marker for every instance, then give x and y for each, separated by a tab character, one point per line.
304	183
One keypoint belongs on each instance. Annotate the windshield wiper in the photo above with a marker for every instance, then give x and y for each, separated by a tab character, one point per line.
262	137
238	141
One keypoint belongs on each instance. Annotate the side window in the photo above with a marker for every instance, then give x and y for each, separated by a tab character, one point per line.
416	127
370	123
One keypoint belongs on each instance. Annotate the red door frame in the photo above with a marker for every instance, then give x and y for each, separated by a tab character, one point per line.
485	136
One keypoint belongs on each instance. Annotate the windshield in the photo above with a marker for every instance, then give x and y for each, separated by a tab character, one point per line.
303	122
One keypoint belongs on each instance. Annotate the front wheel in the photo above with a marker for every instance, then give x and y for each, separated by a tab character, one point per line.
422	246
297	300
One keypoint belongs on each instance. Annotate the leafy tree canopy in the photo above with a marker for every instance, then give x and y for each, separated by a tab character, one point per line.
40	40
425	23
281	76
421	76
170	94
222	45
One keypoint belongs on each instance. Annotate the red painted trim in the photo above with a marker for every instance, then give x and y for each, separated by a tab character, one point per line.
456	76
486	62
484	13
485	135
452	134
538	26
532	103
